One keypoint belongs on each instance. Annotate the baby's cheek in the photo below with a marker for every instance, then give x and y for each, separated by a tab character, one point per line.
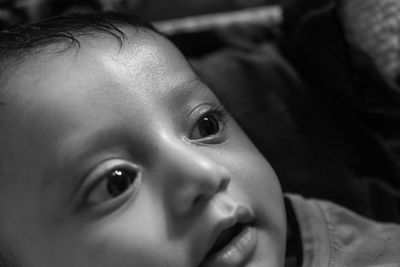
253	172
257	181
126	248
118	246
134	235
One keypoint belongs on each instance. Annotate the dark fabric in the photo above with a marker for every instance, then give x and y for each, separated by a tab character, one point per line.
294	246
333	68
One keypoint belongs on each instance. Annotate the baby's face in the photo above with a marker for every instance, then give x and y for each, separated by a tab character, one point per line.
121	157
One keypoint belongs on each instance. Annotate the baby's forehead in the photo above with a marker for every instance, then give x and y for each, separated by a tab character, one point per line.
100	58
64	92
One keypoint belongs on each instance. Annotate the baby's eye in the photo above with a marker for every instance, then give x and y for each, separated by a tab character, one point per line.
206	126
210	124
115	183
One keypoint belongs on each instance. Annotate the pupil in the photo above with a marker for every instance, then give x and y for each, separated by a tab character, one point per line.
119	181
208	126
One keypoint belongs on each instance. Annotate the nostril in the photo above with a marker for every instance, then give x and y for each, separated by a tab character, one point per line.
198	200
205	197
224	184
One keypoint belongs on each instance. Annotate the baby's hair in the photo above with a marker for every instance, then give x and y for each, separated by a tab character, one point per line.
66	28
19	42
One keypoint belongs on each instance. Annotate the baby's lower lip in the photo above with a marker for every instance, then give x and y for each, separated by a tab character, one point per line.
236	252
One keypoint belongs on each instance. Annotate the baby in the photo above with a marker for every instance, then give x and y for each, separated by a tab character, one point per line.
115	154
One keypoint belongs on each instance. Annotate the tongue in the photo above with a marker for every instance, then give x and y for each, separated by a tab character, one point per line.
225	237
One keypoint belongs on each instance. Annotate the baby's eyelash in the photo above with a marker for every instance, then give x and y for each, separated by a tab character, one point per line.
218	110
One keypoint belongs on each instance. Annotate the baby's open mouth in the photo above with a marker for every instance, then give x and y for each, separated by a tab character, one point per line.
225	238
233	247
235	243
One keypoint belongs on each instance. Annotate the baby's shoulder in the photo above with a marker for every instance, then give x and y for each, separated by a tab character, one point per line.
333	235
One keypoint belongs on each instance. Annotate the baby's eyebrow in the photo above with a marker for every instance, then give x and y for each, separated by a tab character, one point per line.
182	93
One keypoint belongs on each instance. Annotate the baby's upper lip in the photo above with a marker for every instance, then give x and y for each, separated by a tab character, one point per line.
240	215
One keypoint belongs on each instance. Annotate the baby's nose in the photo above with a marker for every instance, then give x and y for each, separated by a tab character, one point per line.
191	179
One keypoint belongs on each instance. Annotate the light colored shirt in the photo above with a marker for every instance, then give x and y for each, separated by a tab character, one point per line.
334	236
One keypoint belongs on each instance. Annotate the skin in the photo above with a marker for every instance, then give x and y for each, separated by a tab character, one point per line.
72	117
